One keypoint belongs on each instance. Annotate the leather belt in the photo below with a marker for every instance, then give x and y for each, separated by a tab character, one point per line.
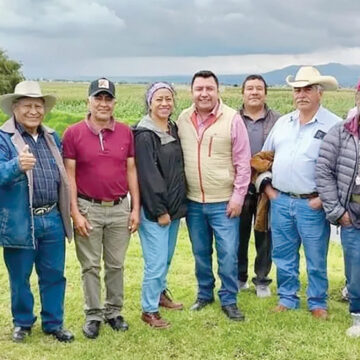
355	198
302	196
102	202
42	210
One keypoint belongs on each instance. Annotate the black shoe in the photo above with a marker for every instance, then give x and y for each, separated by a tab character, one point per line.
91	328
200	304
20	333
62	335
118	323
233	313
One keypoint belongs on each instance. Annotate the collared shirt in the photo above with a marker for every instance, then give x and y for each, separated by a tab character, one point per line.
255	130
101	158
240	150
296	150
46	174
100	131
201	124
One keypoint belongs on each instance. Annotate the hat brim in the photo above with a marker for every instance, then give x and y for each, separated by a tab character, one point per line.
7	100
102	90
327	82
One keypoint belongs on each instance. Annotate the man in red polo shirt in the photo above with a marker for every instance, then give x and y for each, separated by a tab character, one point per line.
99	159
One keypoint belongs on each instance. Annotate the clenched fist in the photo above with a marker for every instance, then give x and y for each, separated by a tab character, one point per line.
26	159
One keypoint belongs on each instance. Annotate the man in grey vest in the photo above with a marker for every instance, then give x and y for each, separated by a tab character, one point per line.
259	120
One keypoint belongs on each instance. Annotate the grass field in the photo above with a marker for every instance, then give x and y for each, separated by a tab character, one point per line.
205	335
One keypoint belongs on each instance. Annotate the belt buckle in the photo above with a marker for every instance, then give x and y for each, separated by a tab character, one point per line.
40	211
107	203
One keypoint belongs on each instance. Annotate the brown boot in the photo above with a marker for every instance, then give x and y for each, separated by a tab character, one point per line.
166	302
321	314
154	320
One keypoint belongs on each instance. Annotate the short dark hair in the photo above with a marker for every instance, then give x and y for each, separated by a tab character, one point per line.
204	74
253	77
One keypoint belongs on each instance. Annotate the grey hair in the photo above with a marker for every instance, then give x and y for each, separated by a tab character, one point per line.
319	87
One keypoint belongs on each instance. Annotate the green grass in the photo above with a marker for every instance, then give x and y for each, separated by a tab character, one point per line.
204	335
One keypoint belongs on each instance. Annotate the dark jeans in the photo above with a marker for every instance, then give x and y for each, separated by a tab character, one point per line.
206	221
49	260
262	244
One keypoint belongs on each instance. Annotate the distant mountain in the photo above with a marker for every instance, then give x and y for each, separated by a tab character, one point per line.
346	75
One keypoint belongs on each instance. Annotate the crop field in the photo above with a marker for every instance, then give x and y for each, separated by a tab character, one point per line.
207	334
71	105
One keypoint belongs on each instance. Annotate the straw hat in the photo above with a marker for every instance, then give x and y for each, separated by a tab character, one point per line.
309	75
29	89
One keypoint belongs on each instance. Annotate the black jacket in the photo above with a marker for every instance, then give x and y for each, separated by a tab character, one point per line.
160	173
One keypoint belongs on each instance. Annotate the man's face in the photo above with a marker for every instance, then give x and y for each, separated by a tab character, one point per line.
101	106
205	94
29	112
254	93
307	98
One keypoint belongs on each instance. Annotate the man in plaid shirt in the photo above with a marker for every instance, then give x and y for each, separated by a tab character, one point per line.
34	210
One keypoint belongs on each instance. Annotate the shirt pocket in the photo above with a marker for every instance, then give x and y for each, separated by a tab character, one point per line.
312	149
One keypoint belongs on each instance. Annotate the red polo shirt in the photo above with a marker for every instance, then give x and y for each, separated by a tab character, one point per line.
101	158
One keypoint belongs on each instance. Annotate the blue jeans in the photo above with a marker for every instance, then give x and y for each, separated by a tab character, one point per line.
294	222
158	246
204	222
49	260
350	240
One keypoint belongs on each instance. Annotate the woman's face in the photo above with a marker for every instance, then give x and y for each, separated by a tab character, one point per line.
162	104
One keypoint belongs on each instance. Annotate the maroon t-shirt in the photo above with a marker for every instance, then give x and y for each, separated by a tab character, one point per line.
101	159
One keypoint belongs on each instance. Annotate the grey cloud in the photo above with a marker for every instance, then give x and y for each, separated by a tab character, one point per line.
67	33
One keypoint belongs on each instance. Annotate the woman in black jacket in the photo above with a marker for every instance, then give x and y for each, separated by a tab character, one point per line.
161	176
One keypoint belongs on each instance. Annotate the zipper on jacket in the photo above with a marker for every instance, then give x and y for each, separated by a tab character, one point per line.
355	173
199	169
199	158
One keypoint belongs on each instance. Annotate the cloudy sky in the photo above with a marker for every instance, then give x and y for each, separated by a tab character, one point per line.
65	38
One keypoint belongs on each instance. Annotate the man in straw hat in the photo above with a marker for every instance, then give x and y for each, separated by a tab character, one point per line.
297	216
35	210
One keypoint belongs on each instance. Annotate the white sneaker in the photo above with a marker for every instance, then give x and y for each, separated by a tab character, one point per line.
345	293
243	285
263	291
354	330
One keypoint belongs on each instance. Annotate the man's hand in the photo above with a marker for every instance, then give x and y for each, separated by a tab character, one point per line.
345	220
164	219
134	220
81	225
270	192
26	159
233	209
315	203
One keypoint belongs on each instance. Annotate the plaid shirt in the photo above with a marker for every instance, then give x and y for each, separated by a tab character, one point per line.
45	172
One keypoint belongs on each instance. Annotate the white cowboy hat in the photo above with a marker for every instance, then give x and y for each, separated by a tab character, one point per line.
26	89
309	75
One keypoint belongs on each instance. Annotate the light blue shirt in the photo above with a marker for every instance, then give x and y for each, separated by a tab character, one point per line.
296	150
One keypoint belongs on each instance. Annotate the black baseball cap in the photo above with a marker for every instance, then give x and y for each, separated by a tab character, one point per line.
102	85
